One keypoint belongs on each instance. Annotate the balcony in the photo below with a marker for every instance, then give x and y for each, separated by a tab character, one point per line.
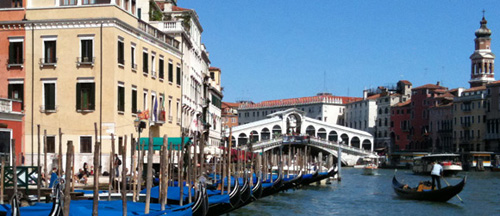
15	63
156	30
82	61
48	62
48	109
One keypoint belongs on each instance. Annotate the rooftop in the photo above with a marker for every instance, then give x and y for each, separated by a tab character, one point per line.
302	100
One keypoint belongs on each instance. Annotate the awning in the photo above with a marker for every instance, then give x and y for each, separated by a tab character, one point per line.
158	142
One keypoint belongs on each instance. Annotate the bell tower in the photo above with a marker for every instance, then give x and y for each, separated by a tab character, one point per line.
482	60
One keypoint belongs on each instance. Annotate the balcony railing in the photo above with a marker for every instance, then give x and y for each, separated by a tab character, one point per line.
48	108
15	63
157	33
85	61
48	62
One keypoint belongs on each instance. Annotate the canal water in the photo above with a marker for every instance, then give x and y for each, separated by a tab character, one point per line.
359	194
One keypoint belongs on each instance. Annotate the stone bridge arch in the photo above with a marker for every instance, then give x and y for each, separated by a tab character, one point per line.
311	131
322	133
277	131
355	142
333	136
344	138
265	134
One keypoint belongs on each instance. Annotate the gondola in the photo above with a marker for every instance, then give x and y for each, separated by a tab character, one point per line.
291	182
276	185
309	178
200	206
234	199
440	195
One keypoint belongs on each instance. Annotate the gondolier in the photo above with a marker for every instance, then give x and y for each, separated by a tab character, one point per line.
436	173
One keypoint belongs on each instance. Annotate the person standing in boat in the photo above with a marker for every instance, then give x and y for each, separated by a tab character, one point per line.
436	173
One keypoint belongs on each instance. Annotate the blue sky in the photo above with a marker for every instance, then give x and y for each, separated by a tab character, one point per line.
284	49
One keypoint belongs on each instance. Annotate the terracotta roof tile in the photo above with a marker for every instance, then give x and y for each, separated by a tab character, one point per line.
406	82
214	68
479	88
401	104
429	86
175	8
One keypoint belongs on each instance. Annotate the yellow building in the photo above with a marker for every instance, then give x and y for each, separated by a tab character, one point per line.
94	62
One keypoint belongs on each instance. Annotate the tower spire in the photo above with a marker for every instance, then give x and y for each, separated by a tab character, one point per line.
482	60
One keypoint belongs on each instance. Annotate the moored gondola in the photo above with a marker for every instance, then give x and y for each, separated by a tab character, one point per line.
439	195
276	185
291	182
234	201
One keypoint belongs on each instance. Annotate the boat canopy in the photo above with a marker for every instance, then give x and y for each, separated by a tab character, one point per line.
158	142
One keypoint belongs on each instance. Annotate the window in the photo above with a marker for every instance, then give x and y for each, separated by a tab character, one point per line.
153	65
178	77
17	3
49	51
85	144
170	110
212	76
15	52
85	96
170	71
51	144
145	100
178	113
16	91
132	58
86	50
68	2
161	68
134	99
86	2
121	54
145	62
121	98
49	94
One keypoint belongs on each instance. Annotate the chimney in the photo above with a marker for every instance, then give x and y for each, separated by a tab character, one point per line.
438	83
365	94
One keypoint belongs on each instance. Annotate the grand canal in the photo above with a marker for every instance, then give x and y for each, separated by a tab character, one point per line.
358	194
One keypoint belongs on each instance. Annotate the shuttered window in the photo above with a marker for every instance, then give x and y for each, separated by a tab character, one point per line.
85	96
50	52
16	53
121	99
170	72
162	70
50	96
86	144
51	144
121	54
178	76
87	52
145	62
134	100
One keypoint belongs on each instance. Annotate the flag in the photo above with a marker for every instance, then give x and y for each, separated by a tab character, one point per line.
155	110
194	124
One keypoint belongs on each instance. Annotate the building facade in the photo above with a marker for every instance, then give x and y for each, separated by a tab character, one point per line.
97	63
215	108
492	138
12	76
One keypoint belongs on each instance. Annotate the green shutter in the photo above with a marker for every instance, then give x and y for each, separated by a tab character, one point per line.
50	99
78	96
134	101
92	96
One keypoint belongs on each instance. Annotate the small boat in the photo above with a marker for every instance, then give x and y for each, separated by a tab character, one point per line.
439	195
450	162
369	164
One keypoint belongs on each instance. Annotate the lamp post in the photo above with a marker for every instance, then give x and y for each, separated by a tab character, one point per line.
139	125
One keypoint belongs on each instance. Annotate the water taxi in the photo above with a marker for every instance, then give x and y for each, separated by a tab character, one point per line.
450	162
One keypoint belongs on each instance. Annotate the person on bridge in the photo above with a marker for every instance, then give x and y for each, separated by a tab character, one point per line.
436	173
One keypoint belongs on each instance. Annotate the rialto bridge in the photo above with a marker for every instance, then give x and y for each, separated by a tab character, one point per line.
292	127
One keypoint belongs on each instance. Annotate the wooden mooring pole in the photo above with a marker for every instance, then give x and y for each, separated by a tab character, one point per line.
69	174
97	173
124	176
39	171
149	180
